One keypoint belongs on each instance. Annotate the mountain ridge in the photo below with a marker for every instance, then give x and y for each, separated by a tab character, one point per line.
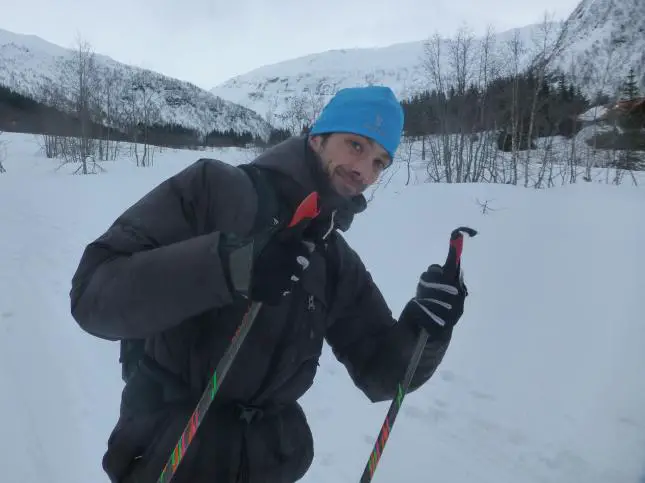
30	65
270	88
604	38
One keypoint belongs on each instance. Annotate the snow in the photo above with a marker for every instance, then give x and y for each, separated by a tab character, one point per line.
269	90
593	114
597	45
28	63
603	39
542	382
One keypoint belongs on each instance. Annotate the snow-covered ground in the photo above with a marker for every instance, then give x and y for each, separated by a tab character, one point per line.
543	381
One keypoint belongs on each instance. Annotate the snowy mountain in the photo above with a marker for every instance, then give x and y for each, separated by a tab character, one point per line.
543	381
271	89
28	64
604	39
596	29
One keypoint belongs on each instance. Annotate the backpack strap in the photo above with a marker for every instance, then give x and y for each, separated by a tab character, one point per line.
271	214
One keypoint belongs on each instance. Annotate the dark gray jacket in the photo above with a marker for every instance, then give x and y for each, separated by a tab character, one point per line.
157	274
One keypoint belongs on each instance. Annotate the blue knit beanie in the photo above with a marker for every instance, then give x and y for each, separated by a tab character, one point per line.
371	111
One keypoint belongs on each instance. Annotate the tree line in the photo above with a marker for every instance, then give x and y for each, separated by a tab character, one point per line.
508	101
482	100
23	114
505	104
91	107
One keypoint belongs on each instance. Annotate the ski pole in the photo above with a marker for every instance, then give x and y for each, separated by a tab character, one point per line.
307	210
452	268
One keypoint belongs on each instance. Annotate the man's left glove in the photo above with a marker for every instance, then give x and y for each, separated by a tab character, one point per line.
439	302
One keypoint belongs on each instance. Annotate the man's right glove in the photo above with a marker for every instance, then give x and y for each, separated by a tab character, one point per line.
439	302
279	265
270	274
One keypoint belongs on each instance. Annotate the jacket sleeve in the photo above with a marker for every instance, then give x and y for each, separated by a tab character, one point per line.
374	347
159	263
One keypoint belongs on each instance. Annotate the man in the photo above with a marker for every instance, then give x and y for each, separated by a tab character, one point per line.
163	272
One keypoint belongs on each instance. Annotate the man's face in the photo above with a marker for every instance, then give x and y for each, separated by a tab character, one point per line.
352	162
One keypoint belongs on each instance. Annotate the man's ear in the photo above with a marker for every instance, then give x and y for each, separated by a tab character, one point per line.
318	141
315	142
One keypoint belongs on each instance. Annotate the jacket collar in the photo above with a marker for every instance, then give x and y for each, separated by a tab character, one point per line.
301	172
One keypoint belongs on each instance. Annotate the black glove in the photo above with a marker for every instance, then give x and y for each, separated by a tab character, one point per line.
278	266
439	302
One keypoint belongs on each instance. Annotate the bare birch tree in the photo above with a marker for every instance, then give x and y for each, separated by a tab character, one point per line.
141	112
111	80
84	83
408	144
296	116
549	159
80	85
3	154
458	70
598	78
304	108
545	50
489	69
573	161
515	48
52	95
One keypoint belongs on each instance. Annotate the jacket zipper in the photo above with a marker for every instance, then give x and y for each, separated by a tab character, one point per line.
311	305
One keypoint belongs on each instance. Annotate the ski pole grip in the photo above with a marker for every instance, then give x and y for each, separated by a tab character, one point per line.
453	261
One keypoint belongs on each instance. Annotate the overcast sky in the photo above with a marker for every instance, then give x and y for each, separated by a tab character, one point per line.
209	41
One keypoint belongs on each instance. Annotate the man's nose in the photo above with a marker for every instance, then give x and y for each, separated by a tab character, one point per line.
362	167
357	172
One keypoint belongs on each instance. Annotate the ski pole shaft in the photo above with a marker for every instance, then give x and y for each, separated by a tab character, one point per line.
452	267
393	411
208	395
307	210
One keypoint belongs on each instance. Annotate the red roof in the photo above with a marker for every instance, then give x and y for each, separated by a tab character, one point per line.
630	105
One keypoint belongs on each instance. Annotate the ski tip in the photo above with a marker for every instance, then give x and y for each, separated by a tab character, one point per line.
308	209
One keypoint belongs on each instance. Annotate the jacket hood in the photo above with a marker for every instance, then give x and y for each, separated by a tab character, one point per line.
296	161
